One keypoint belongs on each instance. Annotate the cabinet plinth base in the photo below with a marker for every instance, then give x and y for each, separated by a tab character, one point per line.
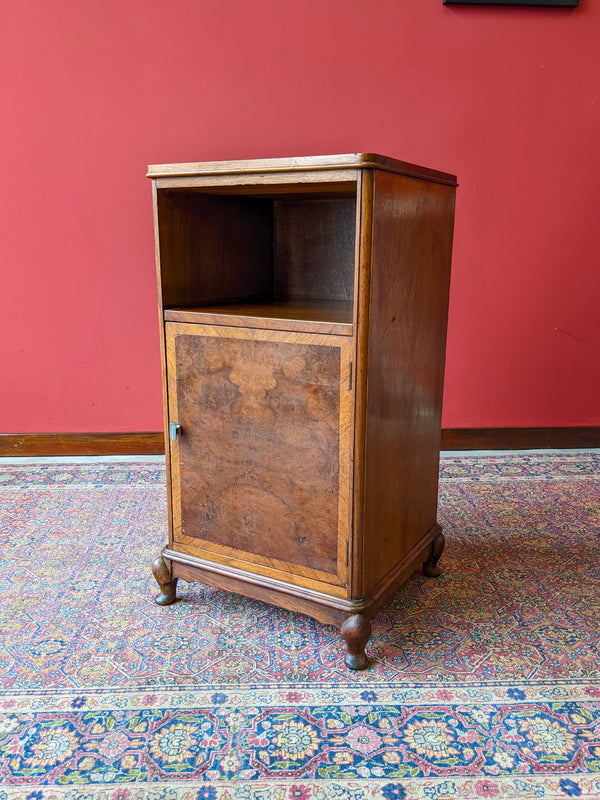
351	616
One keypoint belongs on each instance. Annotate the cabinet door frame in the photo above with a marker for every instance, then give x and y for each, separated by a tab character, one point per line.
301	575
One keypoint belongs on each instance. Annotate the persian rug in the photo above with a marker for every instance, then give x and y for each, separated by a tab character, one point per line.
484	683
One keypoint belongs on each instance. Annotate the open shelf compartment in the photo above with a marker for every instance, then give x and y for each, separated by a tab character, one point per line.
281	258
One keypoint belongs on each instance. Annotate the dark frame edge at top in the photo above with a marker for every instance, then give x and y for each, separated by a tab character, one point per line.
521	3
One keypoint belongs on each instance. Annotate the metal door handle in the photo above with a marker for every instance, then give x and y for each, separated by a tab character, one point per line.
175	430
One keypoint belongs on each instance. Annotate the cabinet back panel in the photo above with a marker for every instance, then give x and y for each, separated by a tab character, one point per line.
314	248
214	248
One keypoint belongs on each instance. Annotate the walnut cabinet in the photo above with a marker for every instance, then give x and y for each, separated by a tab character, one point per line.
303	309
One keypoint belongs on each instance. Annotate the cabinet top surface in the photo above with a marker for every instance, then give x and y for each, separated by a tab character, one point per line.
302	163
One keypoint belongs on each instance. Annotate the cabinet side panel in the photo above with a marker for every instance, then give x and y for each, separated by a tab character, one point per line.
214	248
410	275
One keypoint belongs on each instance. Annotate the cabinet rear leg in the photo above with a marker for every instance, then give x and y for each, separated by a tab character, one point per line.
168	585
430	568
356	632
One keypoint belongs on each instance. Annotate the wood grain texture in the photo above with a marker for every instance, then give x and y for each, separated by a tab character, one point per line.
361	350
311	164
163	350
263	461
325	607
259	461
310	316
314	249
259	569
323	594
389	584
410	274
270	184
30	445
214	248
520	438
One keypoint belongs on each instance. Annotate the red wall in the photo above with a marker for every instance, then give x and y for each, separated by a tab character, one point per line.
92	92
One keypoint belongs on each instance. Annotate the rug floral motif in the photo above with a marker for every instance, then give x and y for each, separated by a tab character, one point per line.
484	683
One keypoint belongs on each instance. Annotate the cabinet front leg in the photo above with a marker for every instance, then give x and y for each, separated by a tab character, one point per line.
430	568
356	632
168	585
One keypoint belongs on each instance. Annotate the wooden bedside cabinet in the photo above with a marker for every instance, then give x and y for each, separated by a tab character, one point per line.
303	307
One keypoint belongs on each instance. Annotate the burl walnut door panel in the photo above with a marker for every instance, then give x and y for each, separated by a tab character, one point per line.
261	473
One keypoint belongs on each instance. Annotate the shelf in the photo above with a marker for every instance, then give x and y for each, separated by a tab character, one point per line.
310	316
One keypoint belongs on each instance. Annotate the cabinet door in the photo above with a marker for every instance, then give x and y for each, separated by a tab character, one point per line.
261	472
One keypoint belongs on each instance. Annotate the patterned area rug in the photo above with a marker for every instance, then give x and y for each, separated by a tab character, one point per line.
485	683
